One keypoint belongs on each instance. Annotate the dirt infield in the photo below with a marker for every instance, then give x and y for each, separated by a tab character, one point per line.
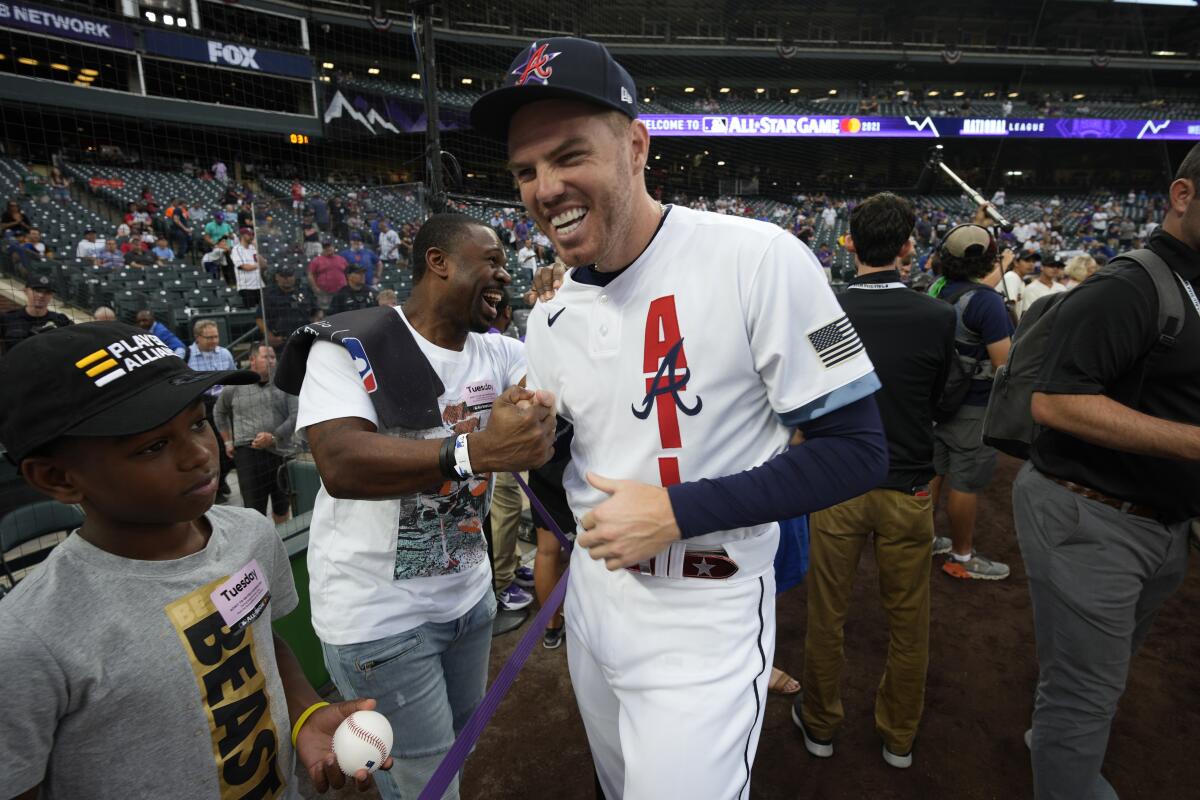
978	701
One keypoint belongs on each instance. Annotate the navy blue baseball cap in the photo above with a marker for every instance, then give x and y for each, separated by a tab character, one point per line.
551	69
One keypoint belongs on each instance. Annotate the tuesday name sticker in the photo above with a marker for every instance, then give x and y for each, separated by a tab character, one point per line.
242	599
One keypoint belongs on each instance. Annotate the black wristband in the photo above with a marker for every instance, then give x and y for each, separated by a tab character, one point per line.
446	459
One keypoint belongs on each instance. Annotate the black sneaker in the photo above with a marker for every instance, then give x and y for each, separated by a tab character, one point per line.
553	637
821	748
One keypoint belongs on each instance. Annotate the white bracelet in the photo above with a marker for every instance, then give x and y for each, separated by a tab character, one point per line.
462	458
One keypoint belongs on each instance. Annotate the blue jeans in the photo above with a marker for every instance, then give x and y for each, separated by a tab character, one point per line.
427	682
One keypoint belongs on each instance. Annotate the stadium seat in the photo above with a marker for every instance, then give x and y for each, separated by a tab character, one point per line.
28	523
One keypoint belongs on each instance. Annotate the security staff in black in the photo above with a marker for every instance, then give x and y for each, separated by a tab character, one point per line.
355	294
285	307
35	317
1103	509
910	339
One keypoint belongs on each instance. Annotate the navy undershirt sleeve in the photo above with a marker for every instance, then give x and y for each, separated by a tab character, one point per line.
844	454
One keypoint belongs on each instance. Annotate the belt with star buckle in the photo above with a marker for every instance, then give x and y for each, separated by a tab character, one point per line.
705	564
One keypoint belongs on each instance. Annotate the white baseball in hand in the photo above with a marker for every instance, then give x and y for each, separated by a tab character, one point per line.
362	741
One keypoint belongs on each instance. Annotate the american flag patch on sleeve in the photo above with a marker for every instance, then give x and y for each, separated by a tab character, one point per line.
835	342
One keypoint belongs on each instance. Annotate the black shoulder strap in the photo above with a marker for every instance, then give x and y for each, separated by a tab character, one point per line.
402	384
1170	304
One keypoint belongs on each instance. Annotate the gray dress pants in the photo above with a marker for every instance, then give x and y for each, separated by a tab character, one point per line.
1097	577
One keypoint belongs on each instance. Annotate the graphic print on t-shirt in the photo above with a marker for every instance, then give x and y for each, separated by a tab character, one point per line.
233	693
441	533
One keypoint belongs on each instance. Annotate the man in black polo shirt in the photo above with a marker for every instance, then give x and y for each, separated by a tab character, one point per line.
910	339
1102	510
35	317
285	308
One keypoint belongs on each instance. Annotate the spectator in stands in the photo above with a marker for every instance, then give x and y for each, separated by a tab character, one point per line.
245	216
967	255
1045	283
311	235
110	257
179	227
162	252
146	321
825	256
197	213
1077	270
220	171
320	211
541	245
285	308
60	185
1126	232
999	197
13	220
526	258
218	230
248	266
389	247
326	274
258	422
356	293
337	219
26	249
104	314
387	297
207	355
139	258
35	317
297	193
148	201
408	232
88	248
364	257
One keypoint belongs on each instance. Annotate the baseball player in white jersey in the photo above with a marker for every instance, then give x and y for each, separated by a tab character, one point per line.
684	347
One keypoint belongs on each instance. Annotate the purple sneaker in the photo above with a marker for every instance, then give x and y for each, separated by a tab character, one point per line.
524	577
514	598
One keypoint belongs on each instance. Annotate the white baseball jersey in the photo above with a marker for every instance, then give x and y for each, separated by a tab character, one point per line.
694	362
684	366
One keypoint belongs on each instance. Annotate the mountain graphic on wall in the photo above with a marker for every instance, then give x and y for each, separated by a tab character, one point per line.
372	119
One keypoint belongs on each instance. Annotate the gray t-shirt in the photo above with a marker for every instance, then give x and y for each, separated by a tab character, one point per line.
121	678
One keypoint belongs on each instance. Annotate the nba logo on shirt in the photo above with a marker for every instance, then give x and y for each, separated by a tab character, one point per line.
361	363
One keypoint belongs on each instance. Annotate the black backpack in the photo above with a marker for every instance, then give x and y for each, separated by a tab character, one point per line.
962	369
1008	422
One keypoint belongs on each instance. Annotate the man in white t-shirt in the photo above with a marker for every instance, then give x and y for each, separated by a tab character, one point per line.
1047	282
685	348
1013	285
526	257
398	565
248	266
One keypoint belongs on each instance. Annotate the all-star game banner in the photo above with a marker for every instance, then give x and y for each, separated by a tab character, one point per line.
917	127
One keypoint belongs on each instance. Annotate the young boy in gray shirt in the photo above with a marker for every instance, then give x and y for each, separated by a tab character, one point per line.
139	658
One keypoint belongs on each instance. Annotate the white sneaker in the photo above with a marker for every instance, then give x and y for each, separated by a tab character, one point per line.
942	545
899	762
821	748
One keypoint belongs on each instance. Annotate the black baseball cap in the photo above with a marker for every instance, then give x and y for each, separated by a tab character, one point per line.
95	379
557	68
39	280
285	271
354	266
1029	255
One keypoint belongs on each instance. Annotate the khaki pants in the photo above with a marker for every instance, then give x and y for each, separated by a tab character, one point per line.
903	528
506	521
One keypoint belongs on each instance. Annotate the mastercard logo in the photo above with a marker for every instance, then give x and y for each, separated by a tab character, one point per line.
851	125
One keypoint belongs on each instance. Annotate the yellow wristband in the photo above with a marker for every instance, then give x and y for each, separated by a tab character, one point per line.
308	712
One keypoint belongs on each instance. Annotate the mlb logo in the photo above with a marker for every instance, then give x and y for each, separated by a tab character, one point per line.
361	363
716	124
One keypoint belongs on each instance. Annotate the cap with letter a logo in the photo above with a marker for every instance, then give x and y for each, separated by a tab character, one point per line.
95	379
557	68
